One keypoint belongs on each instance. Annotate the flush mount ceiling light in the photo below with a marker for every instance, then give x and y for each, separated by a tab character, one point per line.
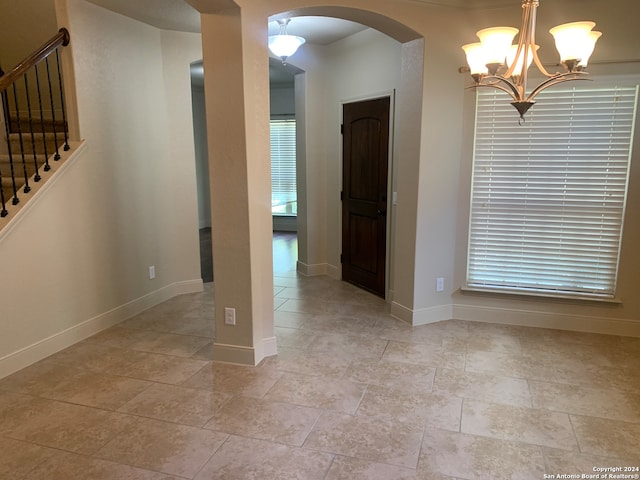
282	44
495	62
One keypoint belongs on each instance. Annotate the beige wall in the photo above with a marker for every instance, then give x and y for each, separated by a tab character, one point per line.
24	26
133	85
78	262
311	171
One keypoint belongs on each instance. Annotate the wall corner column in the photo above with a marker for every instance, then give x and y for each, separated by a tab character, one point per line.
237	106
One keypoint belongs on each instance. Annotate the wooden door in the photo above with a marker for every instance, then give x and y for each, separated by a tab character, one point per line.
365	145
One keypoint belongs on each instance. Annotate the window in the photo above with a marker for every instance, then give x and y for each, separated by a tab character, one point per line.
548	197
283	167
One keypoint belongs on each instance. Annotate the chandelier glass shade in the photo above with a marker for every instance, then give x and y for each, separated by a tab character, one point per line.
496	62
283	45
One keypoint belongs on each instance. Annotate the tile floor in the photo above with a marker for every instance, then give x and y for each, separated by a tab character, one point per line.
353	394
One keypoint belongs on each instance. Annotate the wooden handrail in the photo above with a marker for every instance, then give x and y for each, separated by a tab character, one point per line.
61	38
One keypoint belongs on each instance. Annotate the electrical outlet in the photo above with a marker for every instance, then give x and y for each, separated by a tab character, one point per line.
152	272
229	316
440	284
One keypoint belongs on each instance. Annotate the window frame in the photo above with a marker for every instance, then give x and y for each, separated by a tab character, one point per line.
471	283
292	206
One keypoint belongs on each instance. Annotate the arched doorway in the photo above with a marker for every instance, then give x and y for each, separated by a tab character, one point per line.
320	230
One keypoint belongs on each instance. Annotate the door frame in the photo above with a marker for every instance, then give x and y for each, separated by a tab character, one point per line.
391	94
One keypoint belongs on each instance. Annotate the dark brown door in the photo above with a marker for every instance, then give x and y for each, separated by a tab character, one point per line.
365	147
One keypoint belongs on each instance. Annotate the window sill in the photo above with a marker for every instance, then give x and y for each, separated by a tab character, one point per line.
466	289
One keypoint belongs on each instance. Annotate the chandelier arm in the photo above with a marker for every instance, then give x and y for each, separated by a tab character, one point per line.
527	45
555	80
538	63
525	28
512	67
513	93
532	44
528	35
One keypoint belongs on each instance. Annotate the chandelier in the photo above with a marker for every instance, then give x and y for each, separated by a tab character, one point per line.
283	45
495	62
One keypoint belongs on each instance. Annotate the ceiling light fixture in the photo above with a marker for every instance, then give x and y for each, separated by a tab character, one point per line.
283	45
495	62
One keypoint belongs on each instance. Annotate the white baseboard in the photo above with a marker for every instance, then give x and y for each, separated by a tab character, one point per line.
425	316
527	318
334	272
48	346
186	286
267	347
306	270
421	316
234	354
402	313
317	269
240	355
312	270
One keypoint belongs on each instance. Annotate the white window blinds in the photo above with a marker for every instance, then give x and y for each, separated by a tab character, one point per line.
548	197
283	167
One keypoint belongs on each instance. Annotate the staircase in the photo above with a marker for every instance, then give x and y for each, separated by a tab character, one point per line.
33	120
32	153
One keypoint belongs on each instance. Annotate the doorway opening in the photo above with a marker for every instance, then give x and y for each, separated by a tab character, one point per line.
202	170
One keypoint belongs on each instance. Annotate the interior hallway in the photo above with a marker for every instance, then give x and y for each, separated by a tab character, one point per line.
353	394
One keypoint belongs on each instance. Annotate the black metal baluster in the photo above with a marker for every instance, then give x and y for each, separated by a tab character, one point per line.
5	110
3	201
64	110
3	205
23	155
16	200
7	126
56	157
47	167
5	107
33	138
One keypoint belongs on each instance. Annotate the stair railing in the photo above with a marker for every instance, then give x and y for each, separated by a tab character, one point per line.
35	119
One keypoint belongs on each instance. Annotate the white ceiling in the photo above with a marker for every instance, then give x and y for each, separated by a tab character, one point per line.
165	14
179	15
